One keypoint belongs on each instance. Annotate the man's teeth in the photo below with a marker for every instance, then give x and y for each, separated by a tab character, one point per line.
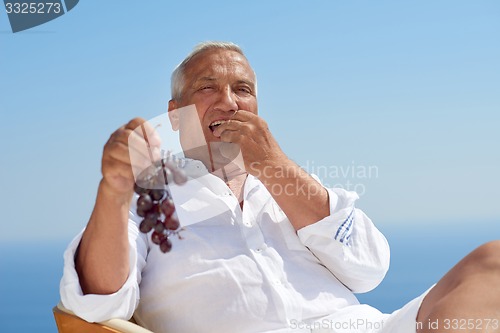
217	123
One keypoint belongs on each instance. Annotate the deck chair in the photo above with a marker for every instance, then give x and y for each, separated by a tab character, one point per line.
68	322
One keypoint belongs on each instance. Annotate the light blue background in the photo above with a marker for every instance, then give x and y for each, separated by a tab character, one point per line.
412	88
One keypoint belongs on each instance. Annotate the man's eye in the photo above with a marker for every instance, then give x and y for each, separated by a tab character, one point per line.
206	88
244	90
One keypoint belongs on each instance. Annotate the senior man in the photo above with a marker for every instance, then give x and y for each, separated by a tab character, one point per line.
253	258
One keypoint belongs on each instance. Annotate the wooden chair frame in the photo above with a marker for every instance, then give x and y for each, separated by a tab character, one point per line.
68	322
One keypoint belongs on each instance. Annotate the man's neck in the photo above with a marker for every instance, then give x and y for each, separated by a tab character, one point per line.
236	185
231	170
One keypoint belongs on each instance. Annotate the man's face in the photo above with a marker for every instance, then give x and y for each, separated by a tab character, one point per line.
219	83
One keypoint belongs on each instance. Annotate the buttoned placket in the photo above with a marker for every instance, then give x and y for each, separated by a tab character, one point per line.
247	220
266	258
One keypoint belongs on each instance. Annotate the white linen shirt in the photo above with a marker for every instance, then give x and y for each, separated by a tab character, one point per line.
239	270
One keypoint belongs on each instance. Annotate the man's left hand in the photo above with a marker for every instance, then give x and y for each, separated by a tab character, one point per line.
258	146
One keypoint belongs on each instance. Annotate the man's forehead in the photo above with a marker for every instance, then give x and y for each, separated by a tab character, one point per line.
214	63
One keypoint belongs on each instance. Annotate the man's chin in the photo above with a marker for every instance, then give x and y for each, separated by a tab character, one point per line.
227	158
228	172
220	158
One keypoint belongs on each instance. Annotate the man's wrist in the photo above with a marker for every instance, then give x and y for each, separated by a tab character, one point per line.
110	195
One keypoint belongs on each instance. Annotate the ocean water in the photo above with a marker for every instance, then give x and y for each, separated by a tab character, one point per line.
420	255
29	285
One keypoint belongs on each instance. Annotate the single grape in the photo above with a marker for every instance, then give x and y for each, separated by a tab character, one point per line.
167	207
171	223
165	245
157	194
152	217
139	190
159	227
180	177
146	226
155	208
157	237
144	202
141	212
178	174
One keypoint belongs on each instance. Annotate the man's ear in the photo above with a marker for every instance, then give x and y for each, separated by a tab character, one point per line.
173	114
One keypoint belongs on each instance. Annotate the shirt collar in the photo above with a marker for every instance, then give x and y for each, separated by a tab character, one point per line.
196	169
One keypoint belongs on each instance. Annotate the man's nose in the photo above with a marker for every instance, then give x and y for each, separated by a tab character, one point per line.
226	100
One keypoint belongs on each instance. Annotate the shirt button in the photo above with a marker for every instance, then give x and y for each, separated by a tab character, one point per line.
258	250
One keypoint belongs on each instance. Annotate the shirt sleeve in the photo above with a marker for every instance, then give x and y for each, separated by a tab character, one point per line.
348	243
97	308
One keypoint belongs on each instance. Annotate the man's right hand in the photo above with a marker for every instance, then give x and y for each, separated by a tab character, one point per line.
126	153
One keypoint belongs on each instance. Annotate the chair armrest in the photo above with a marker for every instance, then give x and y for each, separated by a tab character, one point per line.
68	322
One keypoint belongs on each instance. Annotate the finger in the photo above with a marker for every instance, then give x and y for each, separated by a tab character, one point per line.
131	148
135	154
135	138
244	128
243	115
145	130
119	152
231	136
116	150
141	154
231	125
138	145
150	135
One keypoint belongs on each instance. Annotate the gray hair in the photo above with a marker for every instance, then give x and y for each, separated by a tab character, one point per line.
177	78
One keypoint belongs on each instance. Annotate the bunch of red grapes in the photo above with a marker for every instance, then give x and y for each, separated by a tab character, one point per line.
155	204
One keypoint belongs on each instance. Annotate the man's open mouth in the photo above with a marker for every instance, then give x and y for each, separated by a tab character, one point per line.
216	124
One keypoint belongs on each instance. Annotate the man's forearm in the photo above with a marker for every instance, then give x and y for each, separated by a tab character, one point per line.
301	197
102	261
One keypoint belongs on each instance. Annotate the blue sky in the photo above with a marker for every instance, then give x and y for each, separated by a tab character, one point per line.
410	89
